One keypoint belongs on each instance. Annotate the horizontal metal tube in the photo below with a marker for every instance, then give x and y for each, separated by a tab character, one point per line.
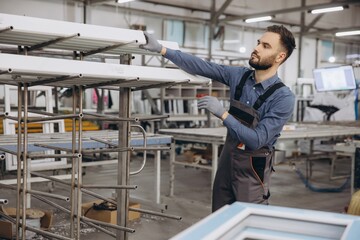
2	156
84	186
109	118
110	186
42	112
55	79
130	208
7	151
6	29
83	219
11	117
45	200
150	148
50	178
111	83
4	201
47	234
68	211
40	156
7	186
104	141
98	196
159	85
67	199
59	117
107	150
155	213
53	147
36	230
153	117
131	230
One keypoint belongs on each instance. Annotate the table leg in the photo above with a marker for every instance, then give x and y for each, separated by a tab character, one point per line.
157	166
172	169
352	174
215	151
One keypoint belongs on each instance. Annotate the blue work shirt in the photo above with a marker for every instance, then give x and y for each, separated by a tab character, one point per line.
274	112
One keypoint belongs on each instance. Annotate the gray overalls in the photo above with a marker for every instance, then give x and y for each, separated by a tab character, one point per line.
243	174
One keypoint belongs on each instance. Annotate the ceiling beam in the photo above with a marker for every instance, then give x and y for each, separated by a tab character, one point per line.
221	10
313	22
289	10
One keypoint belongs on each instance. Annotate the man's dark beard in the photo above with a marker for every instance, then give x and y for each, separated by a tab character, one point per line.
260	66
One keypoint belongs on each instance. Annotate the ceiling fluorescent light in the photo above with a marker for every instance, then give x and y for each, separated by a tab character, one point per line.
348	33
325	10
123	1
258	19
232	41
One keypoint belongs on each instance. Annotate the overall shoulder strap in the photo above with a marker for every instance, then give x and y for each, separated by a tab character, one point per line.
240	86
262	98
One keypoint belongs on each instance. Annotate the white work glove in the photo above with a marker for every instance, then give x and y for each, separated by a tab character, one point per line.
152	44
212	104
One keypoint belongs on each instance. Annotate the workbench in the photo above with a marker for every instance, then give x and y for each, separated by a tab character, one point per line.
216	137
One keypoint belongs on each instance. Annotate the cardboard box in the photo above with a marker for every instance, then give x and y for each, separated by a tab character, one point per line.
8	229
108	216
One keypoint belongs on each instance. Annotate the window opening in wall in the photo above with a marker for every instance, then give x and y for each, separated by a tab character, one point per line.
174	31
195	35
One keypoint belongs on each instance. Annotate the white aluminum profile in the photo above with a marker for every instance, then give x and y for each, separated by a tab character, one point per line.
30	31
255	221
30	69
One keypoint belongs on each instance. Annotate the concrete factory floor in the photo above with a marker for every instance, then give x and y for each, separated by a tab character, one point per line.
192	195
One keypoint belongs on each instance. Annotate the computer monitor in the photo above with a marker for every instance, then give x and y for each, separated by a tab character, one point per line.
334	78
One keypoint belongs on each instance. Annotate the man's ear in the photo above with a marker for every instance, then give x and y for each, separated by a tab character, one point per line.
281	57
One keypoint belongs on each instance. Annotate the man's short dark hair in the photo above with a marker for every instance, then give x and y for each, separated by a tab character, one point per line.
286	38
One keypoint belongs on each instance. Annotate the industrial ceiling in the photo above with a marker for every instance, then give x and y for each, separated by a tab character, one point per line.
294	13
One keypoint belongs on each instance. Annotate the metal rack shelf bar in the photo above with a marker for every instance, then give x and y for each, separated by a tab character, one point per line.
160	85
110	118
57	117
114	82
50	42
104	49
54	80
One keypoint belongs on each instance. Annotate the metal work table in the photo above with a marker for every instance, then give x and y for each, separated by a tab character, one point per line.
61	140
348	149
216	137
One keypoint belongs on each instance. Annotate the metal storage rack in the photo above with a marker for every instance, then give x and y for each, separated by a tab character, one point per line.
30	35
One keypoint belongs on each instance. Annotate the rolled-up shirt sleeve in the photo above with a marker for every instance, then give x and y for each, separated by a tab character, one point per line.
198	66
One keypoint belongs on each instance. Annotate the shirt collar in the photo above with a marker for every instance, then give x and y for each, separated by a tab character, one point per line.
268	82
